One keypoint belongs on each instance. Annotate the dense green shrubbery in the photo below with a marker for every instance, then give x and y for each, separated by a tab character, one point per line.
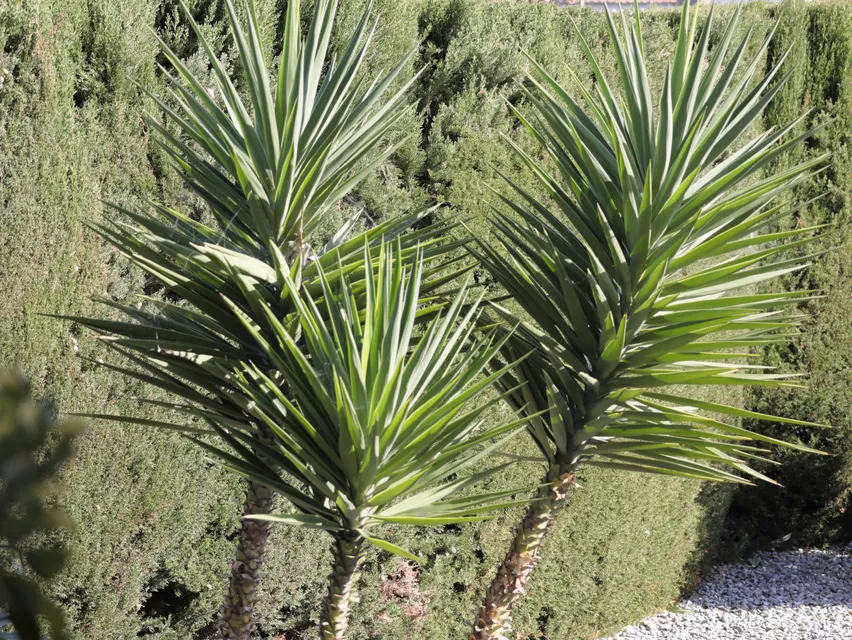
813	505
148	560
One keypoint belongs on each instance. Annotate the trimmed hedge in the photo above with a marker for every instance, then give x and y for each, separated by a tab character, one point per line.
813	506
148	561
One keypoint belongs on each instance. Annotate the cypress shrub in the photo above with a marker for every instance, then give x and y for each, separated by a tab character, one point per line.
813	505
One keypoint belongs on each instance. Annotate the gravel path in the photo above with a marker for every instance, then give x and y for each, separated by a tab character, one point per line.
797	595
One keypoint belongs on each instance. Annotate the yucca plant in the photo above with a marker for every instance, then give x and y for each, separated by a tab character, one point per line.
269	169
382	421
637	277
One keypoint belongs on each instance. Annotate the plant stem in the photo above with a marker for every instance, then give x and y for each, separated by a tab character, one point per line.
342	585
247	566
494	616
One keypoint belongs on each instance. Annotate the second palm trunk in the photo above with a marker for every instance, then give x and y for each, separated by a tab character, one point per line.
246	569
342	586
494	615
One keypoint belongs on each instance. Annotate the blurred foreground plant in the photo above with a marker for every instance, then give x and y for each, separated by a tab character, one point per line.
32	448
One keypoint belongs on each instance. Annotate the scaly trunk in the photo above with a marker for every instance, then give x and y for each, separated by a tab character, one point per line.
247	566
342	584
246	569
494	616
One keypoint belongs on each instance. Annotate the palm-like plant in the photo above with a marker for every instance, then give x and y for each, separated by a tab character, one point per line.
269	170
638	280
377	417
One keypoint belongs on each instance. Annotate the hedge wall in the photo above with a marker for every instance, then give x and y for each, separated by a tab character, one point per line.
153	517
813	505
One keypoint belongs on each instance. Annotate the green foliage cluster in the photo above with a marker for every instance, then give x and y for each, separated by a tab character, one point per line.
27	430
146	560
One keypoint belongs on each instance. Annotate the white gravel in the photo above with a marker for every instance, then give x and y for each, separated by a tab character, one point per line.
797	595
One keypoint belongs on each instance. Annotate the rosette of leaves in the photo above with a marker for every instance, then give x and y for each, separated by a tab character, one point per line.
380	420
637	276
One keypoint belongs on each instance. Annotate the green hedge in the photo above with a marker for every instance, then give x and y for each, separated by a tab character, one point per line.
813	506
154	517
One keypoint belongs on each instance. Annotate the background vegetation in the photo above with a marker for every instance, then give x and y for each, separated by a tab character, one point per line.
153	516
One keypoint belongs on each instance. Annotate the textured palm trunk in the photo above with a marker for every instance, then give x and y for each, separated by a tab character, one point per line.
342	585
247	566
494	616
